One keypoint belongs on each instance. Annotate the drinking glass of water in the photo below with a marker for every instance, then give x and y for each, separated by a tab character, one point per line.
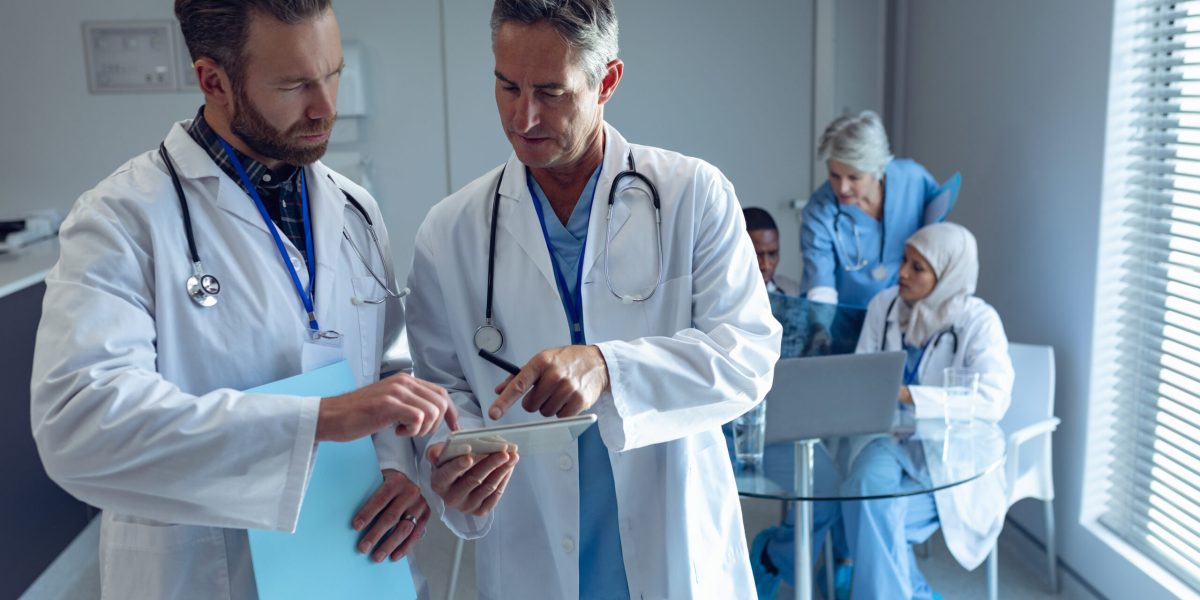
962	387
749	435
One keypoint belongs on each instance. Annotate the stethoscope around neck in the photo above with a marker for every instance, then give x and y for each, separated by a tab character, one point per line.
489	337
937	339
204	288
861	262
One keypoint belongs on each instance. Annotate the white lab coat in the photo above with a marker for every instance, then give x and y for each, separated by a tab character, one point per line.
135	401
971	514
697	354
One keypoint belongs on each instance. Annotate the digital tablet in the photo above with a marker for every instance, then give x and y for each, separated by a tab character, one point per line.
538	437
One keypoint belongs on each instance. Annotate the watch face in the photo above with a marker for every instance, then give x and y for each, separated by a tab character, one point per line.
488	337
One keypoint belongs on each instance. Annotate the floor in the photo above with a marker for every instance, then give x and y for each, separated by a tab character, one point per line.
75	575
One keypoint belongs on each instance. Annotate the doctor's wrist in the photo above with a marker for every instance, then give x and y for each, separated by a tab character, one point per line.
601	367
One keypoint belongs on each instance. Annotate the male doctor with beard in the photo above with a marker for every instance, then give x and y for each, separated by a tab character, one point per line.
663	331
226	258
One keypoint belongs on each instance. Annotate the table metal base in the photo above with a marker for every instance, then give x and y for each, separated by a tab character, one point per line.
804	519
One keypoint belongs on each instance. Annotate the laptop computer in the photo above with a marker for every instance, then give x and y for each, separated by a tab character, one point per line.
831	396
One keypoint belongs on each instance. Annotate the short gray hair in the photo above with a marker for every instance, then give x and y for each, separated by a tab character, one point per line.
859	141
588	26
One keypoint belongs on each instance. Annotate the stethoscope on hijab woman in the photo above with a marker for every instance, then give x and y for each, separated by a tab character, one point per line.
910	373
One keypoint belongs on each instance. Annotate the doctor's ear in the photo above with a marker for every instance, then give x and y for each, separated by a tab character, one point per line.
214	81
612	76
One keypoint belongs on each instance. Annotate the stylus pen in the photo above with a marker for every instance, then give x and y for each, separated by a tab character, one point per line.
499	362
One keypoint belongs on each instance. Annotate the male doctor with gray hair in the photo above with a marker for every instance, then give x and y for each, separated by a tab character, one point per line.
661	330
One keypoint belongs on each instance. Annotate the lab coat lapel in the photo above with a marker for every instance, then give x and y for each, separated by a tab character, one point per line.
193	164
519	220
615	152
327	208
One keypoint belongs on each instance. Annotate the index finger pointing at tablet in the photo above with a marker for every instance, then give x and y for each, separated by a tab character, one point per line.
520	383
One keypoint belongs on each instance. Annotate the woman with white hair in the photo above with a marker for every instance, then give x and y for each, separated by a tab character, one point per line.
855	224
934	316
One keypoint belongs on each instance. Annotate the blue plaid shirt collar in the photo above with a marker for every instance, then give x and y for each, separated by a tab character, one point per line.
266	181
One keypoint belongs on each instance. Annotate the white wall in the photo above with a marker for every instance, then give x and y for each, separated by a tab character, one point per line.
860	32
1014	94
59	140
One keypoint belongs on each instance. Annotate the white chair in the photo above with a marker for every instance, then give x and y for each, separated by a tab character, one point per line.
1028	424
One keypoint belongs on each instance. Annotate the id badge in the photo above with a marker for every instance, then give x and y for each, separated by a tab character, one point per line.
322	349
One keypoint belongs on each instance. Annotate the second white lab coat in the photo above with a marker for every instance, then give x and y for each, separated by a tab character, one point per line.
135	401
971	514
697	354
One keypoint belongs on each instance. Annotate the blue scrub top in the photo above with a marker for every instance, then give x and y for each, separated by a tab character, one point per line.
601	561
908	188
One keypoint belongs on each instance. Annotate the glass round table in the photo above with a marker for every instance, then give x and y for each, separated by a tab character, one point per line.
949	456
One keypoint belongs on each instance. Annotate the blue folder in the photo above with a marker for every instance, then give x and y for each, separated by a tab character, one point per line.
938	207
321	559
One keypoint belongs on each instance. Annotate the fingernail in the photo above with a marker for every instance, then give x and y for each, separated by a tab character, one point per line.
494	413
357	525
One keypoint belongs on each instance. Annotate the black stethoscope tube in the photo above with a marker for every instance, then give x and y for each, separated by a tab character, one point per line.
492	248
183	205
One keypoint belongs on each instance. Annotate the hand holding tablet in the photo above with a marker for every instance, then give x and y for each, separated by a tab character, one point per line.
538	437
473	466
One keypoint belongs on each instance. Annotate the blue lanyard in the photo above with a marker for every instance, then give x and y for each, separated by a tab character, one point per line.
572	299
306	296
910	375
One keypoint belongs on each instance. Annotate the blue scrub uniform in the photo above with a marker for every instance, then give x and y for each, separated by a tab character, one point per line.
881	532
908	188
601	561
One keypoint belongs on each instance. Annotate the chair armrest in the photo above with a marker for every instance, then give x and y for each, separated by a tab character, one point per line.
1029	432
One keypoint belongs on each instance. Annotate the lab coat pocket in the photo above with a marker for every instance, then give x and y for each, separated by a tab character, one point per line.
141	558
370	324
670	308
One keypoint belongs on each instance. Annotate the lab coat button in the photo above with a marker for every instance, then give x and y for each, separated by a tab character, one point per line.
568	544
565	462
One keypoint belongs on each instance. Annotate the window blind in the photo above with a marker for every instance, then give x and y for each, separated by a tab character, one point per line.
1150	292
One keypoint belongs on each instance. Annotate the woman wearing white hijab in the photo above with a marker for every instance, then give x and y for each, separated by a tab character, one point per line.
935	317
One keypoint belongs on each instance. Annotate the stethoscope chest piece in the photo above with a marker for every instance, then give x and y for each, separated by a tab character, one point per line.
203	289
488	337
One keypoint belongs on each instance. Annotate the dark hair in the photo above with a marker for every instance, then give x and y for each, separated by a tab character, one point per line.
757	219
588	26
217	29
